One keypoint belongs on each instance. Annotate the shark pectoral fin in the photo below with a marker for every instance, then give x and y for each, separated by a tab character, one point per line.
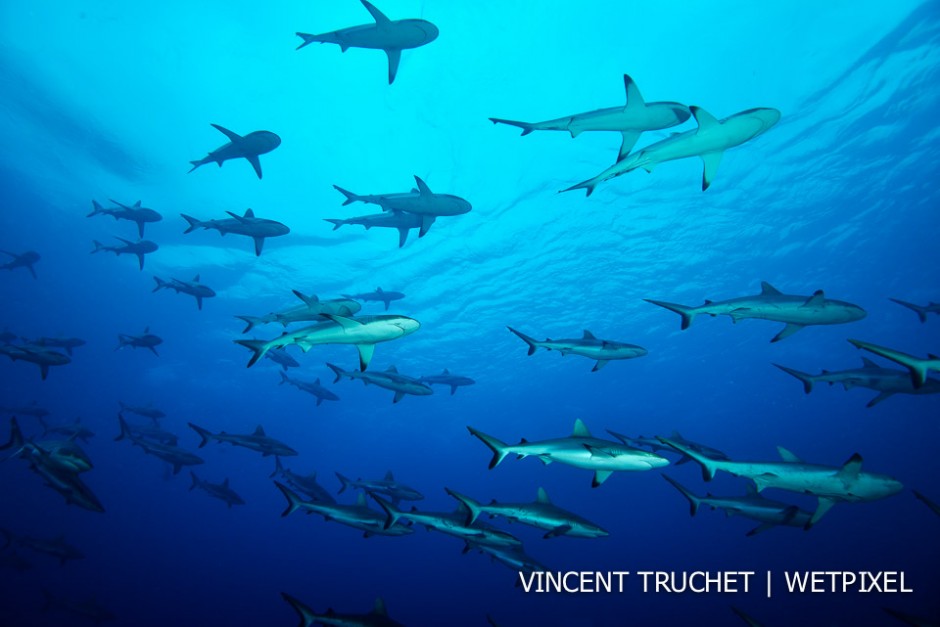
140	260
365	356
377	15
402	236
199	302
44	371
557	531
629	141
545	459
824	506
233	136
255	163
600	364
760	528
394	58
600	476
398	397
881	397
711	162
787	331
426	222
259	244
154	351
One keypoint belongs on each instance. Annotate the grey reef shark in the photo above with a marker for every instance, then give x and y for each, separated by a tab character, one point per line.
160	447
709	142
379	295
139	248
56	547
257	229
886	381
221	491
630	120
920	310
392	36
390	379
68	343
21	260
604	351
314	388
39	355
378	617
258	441
358	516
399	220
306	484
312	310
795	311
139	215
917	366
387	486
145	340
248	147
194	288
446	378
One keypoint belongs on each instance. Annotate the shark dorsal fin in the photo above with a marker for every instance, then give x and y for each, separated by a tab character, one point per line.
423	188
379	608
137	205
317	382
634	99
766	289
377	15
851	469
816	300
146	330
588	335
196	279
446	371
249	213
378	290
867	363
787	456
225	483
389	476
542	496
705	119
580	430
343	321
310	300
361	499
259	430
392	369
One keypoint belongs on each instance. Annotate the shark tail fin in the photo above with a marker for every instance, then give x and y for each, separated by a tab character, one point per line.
709	466
694	501
195	479
344	483
278	468
532	342
499	448
160	284
96	209
250	321
293	501
98	246
125	430
807	379
588	186
205	434
16	440
472	507
193	222
392	513
335	222
257	347
339	372
920	311
350	197
525	126
687	313
308	39
284	378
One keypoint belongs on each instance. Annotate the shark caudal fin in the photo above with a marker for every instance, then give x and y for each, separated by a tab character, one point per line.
205	434
471	507
310	39
98	246
709	466
350	197
687	313
193	222
807	379
344	483
250	321
525	126
339	372
392	513
336	222
307	616
160	284
195	479
294	502
125	430
16	440
920	311
257	347
500	449
278	468
588	186
532	342
694	501
96	209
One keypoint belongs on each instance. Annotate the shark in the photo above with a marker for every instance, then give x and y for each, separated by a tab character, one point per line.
580	449
140	248
604	351
767	512
257	441
542	514
831	485
21	260
161	449
390	379
917	366
73	431
58	455
920	310
146	411
68	343
306	484
194	288
446	378
514	557
320	392
420	201
258	229
221	491
145	340
379	295
630	120
282	358
364	332
709	142
387	486
656	446
42	357
357	516
378	617
934	507
67	483
33	409
392	36
55	547
399	220
137	214
248	147
795	311
89	610
886	381
312	310
146	432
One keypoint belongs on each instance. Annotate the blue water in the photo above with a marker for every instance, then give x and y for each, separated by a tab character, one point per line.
102	100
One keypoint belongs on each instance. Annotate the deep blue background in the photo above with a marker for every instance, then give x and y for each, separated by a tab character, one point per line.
105	101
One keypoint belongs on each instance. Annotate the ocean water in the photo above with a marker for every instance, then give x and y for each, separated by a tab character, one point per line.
105	100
